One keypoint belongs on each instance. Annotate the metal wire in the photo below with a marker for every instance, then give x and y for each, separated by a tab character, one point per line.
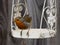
42	14
12	13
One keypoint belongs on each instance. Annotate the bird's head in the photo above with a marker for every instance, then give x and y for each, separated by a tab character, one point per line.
17	19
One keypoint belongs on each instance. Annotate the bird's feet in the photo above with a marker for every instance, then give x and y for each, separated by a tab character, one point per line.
21	33
28	33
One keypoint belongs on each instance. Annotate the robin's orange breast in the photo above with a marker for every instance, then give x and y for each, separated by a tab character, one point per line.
20	24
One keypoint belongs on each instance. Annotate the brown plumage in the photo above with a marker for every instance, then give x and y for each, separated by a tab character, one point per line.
23	22
27	18
20	24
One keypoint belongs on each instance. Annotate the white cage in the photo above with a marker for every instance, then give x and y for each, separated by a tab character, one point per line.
35	33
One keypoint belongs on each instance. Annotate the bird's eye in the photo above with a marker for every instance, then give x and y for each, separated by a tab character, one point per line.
17	19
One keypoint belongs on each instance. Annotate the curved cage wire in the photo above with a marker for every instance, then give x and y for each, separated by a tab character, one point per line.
50	20
51	15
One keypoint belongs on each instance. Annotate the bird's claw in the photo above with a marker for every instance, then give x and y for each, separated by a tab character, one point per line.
28	33
21	33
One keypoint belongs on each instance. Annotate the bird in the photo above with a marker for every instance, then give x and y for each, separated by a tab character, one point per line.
23	23
20	24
